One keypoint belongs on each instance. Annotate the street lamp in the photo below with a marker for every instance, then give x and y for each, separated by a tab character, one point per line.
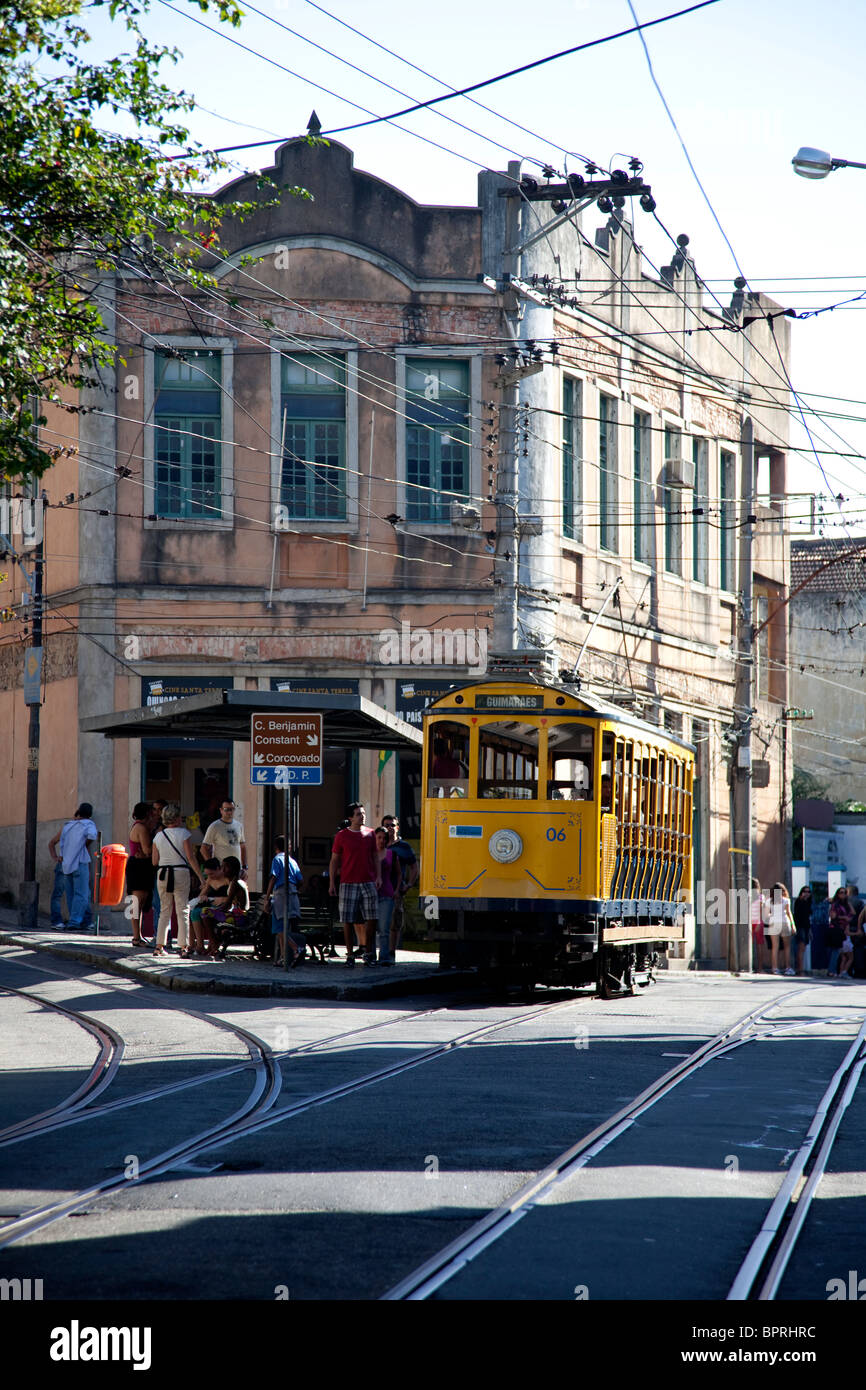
817	164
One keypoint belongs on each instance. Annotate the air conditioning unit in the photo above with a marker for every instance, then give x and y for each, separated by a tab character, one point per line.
679	472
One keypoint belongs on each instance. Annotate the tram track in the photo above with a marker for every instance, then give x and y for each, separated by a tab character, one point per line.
102	1073
762	1269
247	1120
439	1269
768	1257
252	1116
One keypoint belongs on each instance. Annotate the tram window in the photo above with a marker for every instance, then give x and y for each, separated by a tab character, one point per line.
606	788
449	759
508	761
569	762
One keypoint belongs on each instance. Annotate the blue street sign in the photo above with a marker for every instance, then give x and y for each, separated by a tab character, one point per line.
286	776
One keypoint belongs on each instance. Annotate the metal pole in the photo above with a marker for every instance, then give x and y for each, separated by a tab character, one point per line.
741	773
286	819
507	538
29	895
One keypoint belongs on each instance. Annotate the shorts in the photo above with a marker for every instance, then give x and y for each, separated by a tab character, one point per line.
355	895
140	875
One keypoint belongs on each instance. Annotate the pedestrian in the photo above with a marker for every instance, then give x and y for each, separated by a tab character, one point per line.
846	954
231	907
858	939
780	928
759	919
285	907
59	892
390	879
140	873
854	899
154	823
841	915
803	924
224	838
214	893
409	870
214	882
176	867
75	842
354	858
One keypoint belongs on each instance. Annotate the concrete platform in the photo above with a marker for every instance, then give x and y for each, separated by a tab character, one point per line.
416	972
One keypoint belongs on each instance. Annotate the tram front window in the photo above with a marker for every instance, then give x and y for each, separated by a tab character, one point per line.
508	761
449	759
569	760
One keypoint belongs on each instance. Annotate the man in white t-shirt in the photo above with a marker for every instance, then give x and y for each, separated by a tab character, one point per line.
225	837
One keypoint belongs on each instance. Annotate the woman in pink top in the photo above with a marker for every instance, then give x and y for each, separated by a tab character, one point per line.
140	873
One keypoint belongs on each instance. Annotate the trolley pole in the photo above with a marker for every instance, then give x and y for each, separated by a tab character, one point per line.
740	934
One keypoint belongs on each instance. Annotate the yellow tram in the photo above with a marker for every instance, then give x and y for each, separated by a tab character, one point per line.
556	834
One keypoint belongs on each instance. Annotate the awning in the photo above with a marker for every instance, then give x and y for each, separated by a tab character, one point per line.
349	721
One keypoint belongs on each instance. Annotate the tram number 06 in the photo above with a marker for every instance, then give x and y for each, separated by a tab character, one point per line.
554	834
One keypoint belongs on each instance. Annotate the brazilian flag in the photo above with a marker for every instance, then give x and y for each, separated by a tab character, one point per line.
384	755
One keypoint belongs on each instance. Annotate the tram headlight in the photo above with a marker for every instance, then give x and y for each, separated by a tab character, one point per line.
505	846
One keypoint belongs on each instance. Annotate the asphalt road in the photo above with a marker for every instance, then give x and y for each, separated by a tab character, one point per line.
343	1198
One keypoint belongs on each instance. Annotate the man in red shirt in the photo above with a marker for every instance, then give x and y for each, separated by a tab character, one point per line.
354	858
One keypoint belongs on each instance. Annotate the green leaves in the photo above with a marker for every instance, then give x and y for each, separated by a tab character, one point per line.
78	202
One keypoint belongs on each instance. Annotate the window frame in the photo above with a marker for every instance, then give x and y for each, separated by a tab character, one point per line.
348	351
572	459
426	353
673	518
701	524
642	488
226	349
310	425
608	476
727	523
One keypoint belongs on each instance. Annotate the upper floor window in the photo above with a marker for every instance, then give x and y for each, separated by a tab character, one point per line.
607	479
438	418
700	515
727	521
643	489
572	467
673	507
188	420
313	434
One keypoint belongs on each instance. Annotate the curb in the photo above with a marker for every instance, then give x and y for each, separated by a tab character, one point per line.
183	980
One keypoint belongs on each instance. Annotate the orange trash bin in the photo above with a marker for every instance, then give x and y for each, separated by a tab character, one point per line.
113	877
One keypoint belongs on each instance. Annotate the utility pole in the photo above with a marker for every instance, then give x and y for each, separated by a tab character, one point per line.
568	200
28	896
740	934
507	545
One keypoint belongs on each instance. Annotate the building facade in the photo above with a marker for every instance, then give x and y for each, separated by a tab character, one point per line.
827	616
289	482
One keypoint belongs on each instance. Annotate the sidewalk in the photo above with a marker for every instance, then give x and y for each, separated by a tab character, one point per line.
416	972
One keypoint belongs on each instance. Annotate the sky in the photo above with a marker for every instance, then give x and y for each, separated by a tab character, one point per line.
747	83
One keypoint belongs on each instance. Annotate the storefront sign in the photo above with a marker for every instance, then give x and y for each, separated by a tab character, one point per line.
157	690
413	697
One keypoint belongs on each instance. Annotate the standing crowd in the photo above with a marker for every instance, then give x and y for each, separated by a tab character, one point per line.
834	926
201	889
